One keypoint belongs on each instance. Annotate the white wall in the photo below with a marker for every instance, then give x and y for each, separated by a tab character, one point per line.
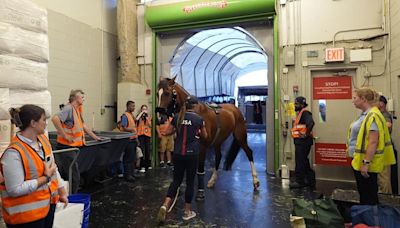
394	84
83	53
308	25
311	21
97	14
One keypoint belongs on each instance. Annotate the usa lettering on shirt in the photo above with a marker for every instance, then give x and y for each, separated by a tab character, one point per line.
186	122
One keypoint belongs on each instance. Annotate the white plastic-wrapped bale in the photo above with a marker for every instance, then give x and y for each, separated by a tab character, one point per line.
5	131
4	104
23	43
3	147
24	14
20	73
39	98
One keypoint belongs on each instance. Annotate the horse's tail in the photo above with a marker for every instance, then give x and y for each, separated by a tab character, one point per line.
232	154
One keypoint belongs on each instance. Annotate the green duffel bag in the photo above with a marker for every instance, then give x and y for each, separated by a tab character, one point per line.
318	213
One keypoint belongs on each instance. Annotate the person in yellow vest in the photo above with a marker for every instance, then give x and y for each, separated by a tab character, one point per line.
32	185
128	124
71	130
369	144
144	134
166	145
384	177
303	140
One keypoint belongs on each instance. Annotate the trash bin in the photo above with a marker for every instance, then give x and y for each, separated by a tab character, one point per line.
111	153
85	199
116	148
85	161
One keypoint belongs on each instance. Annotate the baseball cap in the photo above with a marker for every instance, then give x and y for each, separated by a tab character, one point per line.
192	100
300	100
383	99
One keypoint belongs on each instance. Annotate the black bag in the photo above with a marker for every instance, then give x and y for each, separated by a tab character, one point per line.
318	213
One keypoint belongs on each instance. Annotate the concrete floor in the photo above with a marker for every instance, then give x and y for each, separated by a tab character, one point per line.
232	203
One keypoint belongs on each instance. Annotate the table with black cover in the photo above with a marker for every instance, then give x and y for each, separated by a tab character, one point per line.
85	166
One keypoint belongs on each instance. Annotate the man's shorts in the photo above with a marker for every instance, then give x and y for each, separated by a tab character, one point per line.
166	144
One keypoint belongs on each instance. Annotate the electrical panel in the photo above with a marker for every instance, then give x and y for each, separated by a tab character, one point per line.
288	55
361	55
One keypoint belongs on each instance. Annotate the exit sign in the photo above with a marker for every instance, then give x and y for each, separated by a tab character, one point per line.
334	55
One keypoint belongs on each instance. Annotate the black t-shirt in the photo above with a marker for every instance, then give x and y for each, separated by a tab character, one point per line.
188	134
306	118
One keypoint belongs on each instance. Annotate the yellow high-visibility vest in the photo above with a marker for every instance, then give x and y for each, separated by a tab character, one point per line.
384	154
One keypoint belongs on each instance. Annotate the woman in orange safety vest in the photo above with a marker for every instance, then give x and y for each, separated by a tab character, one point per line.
32	185
144	135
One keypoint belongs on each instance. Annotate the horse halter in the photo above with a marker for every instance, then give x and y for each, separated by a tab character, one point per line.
173	106
174	101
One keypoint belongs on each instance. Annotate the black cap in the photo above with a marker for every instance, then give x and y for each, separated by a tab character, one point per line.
383	99
300	100
192	100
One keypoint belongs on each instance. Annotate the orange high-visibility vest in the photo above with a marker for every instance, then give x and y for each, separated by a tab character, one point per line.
35	205
163	127
131	124
299	129
76	132
144	128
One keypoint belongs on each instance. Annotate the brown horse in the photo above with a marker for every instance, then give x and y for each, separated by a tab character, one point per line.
219	123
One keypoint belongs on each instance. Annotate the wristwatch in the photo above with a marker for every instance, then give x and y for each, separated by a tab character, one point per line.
48	178
364	161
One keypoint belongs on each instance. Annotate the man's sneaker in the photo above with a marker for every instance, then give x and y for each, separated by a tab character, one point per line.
190	215
162	213
162	164
149	168
120	175
142	170
169	163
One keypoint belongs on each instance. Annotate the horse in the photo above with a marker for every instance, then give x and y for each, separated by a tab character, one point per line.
219	123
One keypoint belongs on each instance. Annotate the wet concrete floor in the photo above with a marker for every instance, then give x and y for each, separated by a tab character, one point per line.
232	203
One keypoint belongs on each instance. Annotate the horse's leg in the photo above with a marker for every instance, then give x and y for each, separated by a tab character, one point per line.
200	174
214	176
240	135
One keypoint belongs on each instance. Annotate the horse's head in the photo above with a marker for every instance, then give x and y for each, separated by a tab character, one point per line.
167	97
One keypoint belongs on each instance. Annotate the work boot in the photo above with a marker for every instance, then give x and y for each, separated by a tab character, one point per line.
296	184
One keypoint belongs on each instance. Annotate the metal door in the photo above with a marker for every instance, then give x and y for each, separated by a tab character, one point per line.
332	118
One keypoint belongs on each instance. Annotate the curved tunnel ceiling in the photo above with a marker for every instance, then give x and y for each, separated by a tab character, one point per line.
209	62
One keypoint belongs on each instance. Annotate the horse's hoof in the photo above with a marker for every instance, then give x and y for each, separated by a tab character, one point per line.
256	185
200	196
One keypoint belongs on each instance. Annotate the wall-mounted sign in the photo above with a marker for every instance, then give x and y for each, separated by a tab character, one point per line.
337	87
219	4
334	55
331	154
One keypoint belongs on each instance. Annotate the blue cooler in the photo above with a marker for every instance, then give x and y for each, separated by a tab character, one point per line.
85	199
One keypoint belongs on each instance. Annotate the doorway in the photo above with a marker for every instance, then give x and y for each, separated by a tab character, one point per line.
175	56
333	111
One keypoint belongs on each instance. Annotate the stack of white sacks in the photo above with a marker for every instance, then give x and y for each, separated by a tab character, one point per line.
24	57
